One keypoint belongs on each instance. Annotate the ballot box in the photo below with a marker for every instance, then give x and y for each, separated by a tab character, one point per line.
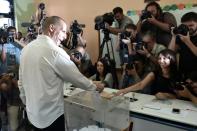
88	111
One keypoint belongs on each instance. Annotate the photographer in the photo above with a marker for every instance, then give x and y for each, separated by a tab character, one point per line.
10	54
185	43
126	40
120	21
189	90
150	49
133	72
81	58
160	22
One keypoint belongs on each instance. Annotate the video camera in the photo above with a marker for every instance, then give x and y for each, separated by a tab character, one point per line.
145	15
101	20
76	28
181	29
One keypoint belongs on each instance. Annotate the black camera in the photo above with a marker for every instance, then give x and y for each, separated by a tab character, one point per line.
125	35
76	28
181	85
140	45
32	32
181	29
77	55
145	15
129	66
10	37
101	20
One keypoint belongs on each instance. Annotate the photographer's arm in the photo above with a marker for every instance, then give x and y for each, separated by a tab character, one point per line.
163	96
138	86
19	43
168	21
161	25
139	25
3	54
114	30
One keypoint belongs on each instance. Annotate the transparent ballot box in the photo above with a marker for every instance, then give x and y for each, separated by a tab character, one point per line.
87	111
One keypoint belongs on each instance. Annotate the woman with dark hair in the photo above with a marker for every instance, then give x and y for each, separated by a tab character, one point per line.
161	80
103	76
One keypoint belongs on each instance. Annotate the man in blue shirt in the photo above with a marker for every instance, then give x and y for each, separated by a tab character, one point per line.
9	63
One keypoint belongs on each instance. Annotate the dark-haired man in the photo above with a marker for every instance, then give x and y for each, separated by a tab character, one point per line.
186	46
160	22
120	21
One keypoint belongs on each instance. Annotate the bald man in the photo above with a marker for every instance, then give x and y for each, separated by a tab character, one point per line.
43	70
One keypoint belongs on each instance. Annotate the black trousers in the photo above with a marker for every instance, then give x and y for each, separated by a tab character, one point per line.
57	125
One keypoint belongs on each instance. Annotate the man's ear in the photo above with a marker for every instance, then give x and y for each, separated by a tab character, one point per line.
51	28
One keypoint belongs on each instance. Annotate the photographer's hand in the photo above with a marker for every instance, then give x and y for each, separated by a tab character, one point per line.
185	38
3	54
188	42
126	41
143	52
184	93
152	20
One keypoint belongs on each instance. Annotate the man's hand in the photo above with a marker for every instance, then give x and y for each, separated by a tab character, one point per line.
143	52
126	41
184	93
185	38
121	92
152	20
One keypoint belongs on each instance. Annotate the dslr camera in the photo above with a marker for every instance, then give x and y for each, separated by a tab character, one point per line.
101	20
32	32
124	35
10	37
181	29
77	55
6	37
145	15
140	45
181	85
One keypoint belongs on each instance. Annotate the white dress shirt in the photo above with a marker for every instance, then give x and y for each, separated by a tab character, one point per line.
44	67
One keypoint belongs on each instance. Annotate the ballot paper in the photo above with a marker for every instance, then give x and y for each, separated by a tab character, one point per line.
93	128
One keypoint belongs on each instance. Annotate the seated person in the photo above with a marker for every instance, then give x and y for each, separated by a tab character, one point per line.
134	72
189	90
103	77
161	80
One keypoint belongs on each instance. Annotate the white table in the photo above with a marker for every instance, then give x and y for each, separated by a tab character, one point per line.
149	113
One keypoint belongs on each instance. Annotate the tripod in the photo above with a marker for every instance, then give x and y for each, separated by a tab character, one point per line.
111	60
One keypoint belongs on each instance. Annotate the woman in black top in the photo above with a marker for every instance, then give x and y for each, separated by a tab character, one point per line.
161	80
